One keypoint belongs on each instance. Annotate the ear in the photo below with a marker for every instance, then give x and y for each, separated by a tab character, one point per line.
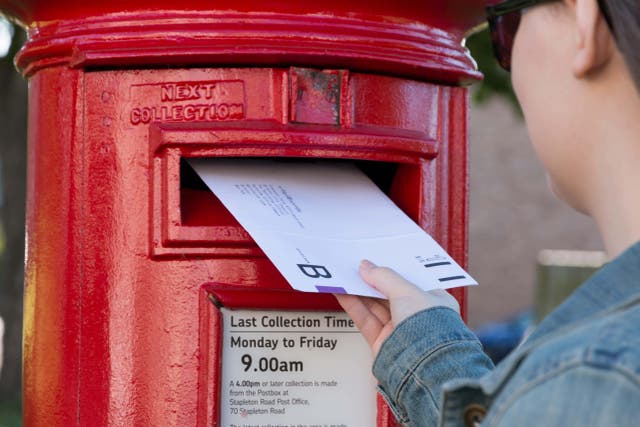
594	43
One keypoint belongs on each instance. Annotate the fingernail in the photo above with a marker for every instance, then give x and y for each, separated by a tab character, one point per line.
366	264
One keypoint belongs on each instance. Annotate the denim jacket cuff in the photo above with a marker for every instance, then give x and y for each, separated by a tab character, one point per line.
409	345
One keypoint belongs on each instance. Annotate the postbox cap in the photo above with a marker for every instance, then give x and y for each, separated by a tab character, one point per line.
421	40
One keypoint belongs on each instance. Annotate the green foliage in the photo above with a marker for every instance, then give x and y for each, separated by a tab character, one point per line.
497	82
10	414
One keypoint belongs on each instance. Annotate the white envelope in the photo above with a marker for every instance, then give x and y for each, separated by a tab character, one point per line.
317	220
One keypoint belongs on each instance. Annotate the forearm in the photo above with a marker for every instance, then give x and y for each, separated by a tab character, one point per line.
425	351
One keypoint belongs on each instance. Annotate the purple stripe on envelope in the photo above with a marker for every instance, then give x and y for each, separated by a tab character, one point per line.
331	289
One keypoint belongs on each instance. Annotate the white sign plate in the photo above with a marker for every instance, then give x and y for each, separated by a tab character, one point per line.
295	369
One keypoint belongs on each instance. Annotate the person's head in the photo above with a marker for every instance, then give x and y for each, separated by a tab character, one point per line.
576	71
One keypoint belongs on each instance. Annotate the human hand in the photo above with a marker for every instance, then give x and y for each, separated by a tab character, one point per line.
376	318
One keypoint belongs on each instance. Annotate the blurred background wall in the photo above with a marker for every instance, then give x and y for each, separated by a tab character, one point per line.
513	215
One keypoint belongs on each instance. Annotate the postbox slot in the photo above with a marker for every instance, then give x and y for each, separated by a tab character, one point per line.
200	207
188	220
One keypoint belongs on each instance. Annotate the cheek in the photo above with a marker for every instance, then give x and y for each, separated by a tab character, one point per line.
538	73
527	70
541	78
529	65
518	67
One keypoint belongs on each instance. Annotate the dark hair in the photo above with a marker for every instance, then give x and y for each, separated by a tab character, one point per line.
624	18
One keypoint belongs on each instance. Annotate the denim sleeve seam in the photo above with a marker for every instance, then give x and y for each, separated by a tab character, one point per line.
411	373
401	415
552	374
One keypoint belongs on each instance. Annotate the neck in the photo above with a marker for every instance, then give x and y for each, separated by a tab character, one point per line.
615	205
619	226
613	142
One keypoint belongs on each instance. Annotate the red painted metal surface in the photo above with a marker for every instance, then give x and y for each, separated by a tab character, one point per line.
126	249
453	15
417	39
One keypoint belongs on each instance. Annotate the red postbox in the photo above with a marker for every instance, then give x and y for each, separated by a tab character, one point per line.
129	257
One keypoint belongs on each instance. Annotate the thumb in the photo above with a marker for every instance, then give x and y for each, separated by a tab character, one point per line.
405	298
386	280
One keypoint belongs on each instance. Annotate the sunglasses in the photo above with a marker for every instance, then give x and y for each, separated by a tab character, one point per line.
504	20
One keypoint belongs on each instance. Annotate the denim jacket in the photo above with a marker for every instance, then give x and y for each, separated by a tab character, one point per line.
580	367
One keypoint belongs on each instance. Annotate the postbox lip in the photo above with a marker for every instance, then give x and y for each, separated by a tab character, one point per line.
216	38
454	15
279	297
